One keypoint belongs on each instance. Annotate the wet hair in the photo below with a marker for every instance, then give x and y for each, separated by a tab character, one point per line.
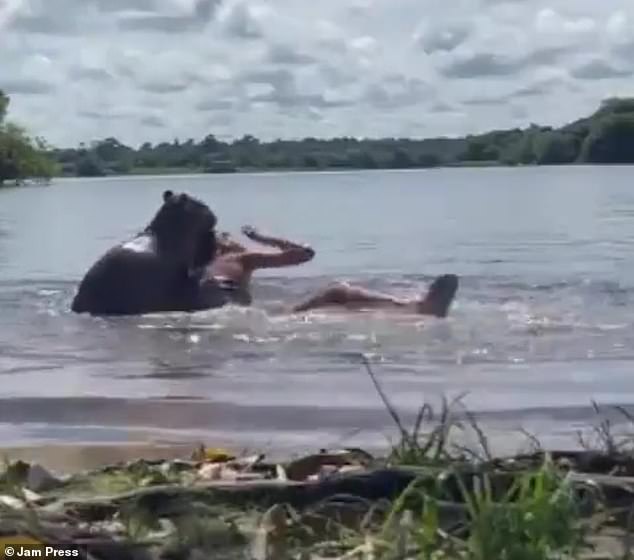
441	294
180	213
206	249
182	220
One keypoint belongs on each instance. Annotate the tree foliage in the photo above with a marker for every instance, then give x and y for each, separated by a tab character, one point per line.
21	156
555	148
611	140
4	104
607	136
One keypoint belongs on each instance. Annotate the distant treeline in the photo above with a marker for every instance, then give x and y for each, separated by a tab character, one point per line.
605	137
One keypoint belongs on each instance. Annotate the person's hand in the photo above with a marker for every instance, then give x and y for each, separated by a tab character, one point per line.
250	232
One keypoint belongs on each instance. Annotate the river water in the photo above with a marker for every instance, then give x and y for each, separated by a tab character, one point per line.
543	321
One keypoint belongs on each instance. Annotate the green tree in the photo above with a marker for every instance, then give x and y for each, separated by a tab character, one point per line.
247	141
616	105
20	156
401	159
245	160
555	148
367	160
479	149
311	161
522	148
210	143
429	160
4	104
114	155
89	166
611	140
606	136
363	159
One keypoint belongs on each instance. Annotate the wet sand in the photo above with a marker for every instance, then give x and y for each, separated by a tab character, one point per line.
69	459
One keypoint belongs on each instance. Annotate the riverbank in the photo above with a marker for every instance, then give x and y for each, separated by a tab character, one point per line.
427	496
184	171
166	171
73	458
339	504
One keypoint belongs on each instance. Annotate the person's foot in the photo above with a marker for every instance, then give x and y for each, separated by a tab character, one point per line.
439	296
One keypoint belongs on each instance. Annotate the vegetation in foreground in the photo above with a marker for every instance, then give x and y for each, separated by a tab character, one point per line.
430	498
605	137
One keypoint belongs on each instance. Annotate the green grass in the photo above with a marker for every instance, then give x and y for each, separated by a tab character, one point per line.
537	519
463	506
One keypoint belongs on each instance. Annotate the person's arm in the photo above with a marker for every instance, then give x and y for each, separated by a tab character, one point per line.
290	253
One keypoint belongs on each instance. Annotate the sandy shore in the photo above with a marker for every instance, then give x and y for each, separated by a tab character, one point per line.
73	458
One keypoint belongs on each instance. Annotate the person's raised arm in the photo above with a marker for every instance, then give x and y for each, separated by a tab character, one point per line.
283	244
290	253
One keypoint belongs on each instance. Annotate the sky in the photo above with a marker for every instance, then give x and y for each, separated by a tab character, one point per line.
156	70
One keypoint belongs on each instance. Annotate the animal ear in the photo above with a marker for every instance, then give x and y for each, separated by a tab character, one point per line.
167	195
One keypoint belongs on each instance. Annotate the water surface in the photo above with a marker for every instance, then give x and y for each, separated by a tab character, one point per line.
542	324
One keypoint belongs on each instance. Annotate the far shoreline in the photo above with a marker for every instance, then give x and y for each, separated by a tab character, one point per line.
185	172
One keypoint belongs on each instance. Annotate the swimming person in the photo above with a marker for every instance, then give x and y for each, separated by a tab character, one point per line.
234	264
436	302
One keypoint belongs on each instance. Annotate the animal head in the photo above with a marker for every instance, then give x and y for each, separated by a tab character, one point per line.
185	229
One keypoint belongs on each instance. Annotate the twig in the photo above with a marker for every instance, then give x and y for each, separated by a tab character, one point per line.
386	401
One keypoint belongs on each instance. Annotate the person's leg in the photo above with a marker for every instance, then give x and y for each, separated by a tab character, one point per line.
439	298
350	297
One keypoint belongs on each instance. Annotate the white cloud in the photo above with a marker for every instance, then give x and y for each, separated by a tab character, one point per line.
551	24
8	8
618	25
157	69
364	44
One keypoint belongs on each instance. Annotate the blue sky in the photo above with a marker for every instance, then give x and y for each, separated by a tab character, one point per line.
155	70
